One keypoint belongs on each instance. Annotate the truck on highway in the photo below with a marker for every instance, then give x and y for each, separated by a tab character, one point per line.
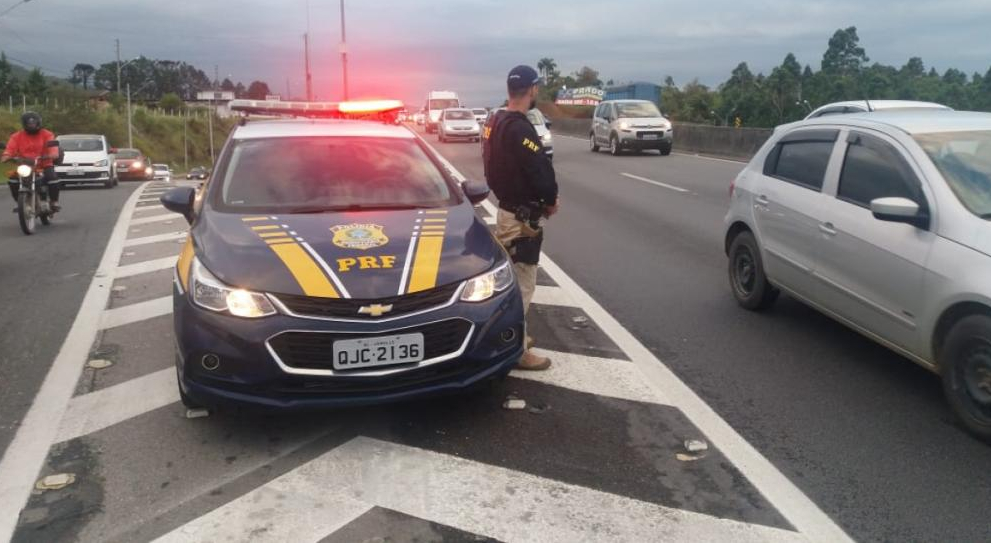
438	101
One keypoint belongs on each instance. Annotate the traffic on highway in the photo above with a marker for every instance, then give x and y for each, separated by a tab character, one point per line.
467	297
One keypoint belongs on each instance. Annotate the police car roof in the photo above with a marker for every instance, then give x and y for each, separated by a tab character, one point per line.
295	128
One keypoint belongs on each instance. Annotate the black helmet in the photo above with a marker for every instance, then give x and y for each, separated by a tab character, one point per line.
31	122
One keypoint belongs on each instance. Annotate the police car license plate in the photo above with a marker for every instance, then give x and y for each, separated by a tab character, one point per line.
377	351
650	136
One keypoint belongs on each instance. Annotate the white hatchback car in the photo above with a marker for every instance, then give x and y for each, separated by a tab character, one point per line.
880	221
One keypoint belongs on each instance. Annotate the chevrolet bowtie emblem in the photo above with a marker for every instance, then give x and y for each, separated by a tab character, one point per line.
374	310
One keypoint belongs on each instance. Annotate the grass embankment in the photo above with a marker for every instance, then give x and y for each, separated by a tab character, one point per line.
159	135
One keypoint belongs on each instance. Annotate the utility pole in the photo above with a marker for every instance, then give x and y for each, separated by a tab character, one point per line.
130	141
185	142
344	52
216	77
306	59
118	64
209	117
288	93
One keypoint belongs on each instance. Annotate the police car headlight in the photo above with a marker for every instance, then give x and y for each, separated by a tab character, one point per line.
24	170
485	286
209	293
624	125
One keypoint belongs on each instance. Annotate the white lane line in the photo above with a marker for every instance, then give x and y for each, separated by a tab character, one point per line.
155	239
588	374
147	266
652	182
27	452
779	491
143	209
101	409
553	296
120	316
738	162
511	506
155	218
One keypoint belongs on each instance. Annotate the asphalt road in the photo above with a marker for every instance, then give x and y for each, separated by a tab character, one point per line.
862	431
44	279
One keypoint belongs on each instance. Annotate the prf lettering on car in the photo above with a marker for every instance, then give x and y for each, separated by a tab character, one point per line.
530	145
366	263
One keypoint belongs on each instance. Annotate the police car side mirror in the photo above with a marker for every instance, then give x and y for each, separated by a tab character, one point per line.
180	200
476	191
548	124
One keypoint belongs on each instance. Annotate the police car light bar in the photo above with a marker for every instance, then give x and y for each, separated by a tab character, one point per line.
317	109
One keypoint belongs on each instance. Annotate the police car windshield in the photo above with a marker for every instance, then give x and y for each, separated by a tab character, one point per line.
459	115
442	103
634	110
308	175
81	145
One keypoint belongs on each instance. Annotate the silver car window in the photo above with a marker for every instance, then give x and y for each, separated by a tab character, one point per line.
874	169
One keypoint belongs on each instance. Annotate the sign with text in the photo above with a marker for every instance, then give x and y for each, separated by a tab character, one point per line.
581	96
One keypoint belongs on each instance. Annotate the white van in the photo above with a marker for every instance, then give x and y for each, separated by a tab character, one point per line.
88	159
438	101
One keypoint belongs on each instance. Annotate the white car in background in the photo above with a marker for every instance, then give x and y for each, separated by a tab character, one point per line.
543	127
481	114
87	159
863	106
881	221
163	172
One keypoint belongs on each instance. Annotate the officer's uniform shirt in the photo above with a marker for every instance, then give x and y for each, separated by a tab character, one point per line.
517	169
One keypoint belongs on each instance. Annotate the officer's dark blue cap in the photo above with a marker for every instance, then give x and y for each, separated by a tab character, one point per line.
522	77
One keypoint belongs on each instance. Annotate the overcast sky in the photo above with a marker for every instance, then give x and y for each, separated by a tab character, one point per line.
406	47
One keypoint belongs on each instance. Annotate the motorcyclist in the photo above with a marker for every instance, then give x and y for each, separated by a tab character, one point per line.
30	142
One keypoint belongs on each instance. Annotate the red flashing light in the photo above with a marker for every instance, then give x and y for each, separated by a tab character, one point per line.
369	106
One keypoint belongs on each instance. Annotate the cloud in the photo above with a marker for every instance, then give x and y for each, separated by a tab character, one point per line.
408	48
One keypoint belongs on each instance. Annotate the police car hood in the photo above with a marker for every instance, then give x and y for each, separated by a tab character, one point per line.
360	255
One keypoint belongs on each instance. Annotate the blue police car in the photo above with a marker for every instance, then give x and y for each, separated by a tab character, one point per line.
335	262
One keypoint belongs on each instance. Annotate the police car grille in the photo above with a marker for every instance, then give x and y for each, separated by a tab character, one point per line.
348	308
314	350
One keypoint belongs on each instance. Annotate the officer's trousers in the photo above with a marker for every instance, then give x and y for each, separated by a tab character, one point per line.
507	230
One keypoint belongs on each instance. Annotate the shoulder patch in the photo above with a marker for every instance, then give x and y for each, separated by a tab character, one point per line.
530	145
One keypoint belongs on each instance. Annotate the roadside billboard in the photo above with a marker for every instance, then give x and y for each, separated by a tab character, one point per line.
581	96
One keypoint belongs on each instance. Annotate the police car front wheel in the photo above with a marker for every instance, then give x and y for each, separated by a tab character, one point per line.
592	145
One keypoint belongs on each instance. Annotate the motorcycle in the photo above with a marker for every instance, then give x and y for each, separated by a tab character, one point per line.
32	197
32	200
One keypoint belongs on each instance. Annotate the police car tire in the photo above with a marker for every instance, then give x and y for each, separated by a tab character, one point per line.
594	147
761	294
968	342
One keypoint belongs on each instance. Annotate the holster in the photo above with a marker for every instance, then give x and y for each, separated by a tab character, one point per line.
526	250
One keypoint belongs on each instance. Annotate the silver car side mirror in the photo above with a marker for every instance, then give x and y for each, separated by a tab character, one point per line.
898	209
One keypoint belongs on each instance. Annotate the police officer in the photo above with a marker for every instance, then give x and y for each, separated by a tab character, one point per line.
521	176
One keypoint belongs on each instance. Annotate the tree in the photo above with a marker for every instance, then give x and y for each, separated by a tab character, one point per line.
171	102
844	56
35	85
227	85
240	91
8	84
587	77
546	66
257	90
82	73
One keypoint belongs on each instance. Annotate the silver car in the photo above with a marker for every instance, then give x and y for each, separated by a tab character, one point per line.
880	221
862	106
637	125
457	124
